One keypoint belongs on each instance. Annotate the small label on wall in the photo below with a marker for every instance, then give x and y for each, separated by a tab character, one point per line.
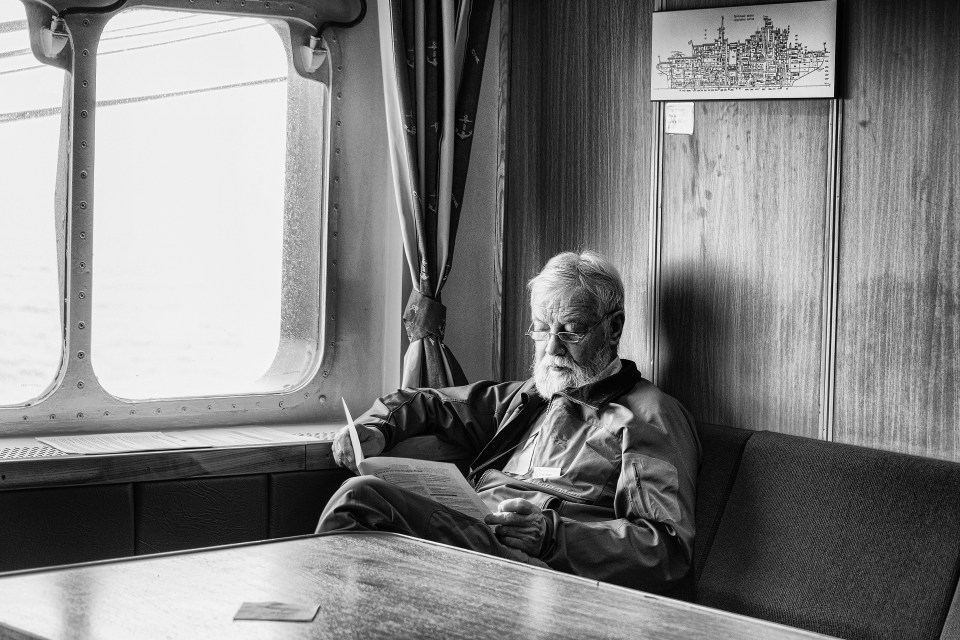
678	117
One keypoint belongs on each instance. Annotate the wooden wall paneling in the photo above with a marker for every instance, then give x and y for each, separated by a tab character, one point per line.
654	242
143	466
523	236
744	203
899	310
831	269
578	155
503	132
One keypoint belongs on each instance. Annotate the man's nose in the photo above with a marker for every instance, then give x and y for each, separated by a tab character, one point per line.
555	346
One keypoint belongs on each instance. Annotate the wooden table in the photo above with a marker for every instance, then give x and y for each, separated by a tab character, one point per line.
368	586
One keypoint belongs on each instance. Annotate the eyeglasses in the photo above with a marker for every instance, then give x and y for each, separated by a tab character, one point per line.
568	337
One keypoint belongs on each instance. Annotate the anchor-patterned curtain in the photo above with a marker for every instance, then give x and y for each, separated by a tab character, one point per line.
432	53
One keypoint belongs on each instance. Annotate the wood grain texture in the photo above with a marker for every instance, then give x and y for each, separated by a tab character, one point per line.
367	585
153	465
194	463
899	310
319	456
742	260
503	132
578	156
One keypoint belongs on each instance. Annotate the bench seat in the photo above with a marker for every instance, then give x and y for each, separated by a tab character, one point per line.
833	538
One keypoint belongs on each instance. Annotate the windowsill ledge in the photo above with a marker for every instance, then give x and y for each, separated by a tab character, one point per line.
146	466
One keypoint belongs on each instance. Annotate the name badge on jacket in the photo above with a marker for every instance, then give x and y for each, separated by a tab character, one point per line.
546	472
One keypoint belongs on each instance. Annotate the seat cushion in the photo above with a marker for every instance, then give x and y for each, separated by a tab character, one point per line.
843	540
722	448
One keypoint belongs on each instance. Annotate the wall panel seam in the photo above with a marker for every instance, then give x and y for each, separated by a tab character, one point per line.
831	273
503	106
656	230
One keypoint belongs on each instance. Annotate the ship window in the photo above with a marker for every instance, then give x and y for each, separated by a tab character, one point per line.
202	187
31	95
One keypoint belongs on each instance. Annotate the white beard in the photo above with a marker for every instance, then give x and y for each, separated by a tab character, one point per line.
550	381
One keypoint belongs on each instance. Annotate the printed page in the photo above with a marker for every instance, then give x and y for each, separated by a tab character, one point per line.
235	437
441	481
114	442
157	441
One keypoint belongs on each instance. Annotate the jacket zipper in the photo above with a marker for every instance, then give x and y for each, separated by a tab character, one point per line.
640	493
542	488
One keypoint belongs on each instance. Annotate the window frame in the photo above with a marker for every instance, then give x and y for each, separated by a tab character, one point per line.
75	401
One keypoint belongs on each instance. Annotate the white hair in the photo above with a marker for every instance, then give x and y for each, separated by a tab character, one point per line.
587	272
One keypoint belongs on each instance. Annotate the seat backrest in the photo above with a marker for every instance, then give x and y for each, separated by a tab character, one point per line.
842	540
722	448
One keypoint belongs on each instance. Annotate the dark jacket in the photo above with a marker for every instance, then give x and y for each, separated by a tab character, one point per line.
622	508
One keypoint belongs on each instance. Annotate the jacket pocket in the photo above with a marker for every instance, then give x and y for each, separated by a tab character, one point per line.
653	487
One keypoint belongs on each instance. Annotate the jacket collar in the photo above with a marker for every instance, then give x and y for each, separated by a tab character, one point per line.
528	402
592	395
599	393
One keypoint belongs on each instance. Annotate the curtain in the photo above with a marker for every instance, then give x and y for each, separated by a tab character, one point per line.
432	53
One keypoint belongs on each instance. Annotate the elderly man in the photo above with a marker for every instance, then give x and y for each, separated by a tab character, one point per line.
588	468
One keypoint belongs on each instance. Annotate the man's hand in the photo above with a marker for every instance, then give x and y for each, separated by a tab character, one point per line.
522	525
371	441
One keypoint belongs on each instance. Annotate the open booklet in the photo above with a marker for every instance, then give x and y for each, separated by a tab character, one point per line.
441	481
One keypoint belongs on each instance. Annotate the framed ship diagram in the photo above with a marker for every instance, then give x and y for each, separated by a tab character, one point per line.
745	53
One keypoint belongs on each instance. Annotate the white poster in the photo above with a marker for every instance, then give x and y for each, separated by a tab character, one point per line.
743	53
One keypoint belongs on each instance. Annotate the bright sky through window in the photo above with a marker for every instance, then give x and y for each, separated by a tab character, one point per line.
189	204
31	95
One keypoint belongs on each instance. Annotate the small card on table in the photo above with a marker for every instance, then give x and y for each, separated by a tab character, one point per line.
277	611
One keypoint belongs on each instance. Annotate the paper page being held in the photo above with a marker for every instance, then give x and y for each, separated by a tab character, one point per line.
354	436
441	481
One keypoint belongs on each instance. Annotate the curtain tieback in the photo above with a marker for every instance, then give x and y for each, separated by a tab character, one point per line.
424	317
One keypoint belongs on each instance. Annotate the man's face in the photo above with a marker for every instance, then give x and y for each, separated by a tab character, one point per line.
561	366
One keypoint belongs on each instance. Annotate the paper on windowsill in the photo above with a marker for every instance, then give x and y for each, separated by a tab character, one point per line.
441	481
114	442
157	441
241	436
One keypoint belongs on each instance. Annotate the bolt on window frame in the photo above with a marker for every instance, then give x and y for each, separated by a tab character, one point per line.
67	37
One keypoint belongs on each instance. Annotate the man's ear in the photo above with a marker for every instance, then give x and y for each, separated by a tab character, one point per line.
616	327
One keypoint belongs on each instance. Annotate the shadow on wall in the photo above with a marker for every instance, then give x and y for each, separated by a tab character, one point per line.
695	342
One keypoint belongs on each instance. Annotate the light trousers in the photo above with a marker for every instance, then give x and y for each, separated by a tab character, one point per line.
366	503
